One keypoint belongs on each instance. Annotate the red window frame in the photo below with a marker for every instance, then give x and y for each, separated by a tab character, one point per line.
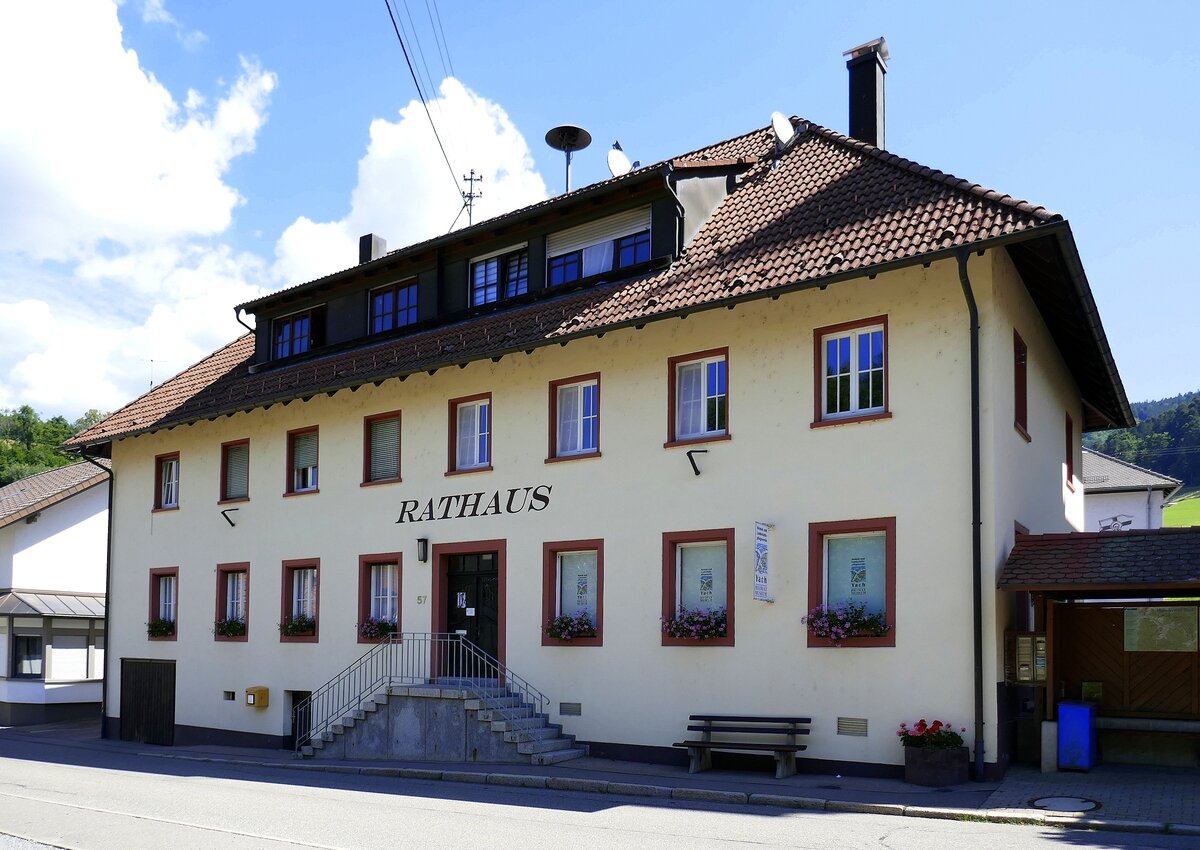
157	573
553	455
550	553
225	498
1070	454
159	460
452	434
365	562
291	450
285	599
673	364
820	419
817	532
670	544
368	421
1021	386
222	608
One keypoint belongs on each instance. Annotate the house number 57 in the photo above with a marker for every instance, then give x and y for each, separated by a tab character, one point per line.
421	600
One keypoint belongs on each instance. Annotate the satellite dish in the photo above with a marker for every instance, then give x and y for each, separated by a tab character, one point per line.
618	163
784	131
568	138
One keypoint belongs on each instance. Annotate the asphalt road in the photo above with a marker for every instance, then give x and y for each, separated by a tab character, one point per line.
77	796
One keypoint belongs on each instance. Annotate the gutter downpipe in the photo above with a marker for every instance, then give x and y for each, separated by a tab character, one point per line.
237	314
667	171
108	594
961	255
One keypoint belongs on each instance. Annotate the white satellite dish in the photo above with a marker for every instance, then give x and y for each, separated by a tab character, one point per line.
618	163
784	131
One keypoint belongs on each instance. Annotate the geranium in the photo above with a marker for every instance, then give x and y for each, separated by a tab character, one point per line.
938	735
696	623
571	626
298	625
376	628
231	627
844	620
161	627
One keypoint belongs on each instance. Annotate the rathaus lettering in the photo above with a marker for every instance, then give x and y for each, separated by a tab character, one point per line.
463	505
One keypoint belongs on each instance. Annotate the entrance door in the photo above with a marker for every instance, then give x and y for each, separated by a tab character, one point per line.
148	701
473	606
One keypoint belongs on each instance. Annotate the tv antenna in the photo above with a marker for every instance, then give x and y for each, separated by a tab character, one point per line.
470	195
568	139
151	361
618	162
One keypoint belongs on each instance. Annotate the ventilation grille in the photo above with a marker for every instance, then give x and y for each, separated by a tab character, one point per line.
229	696
856	726
571	709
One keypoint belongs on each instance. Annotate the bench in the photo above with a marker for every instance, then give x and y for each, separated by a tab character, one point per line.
700	752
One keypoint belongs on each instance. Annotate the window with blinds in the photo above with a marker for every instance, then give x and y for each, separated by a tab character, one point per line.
302	449
615	241
235	471
382	446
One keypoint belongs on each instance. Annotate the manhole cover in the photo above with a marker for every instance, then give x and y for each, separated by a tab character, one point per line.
1065	804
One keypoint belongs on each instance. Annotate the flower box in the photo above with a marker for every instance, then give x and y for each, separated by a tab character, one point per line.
935	767
298	627
160	628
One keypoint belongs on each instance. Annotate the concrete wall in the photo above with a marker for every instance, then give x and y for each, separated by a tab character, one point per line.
914	466
1145	508
65	550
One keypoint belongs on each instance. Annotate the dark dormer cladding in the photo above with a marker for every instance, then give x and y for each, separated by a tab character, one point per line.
615	230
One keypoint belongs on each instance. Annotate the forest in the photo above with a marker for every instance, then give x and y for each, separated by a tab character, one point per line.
1166	438
30	444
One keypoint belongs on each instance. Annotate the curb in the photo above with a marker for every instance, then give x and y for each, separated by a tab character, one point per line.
710	795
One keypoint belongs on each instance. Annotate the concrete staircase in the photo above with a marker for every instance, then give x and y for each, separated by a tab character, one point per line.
445	723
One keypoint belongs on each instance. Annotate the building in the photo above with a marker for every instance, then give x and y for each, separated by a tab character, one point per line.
1120	496
53	542
601	402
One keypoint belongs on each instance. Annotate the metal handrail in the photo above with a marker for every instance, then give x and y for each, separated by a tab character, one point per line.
416	658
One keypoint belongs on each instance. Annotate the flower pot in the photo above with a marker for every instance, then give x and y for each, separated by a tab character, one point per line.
935	766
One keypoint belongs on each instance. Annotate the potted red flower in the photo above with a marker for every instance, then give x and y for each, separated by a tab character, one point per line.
934	754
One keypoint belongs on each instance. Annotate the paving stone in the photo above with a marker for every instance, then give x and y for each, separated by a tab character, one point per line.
787	802
708	795
864	808
518	780
635	789
570	783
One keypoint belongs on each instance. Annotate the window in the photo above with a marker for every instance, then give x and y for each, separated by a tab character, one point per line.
470	433
854	561
393	306
235	471
378	595
298	333
166	482
27	656
381	448
698	570
698	397
631	250
575	416
299	615
851	360
1070	456
302	461
573	583
504	276
233	602
164	603
1020	386
564	268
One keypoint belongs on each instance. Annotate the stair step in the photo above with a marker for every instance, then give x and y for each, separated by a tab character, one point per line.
540	734
518	723
513	713
307	752
545	745
557	756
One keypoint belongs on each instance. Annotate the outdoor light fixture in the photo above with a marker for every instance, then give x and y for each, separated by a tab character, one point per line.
422	549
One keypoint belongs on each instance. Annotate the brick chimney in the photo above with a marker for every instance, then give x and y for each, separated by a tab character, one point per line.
867	66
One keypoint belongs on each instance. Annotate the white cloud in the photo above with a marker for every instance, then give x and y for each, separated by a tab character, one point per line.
155	12
406	193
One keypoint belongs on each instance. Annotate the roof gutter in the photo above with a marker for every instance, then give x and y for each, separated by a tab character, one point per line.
961	256
108	594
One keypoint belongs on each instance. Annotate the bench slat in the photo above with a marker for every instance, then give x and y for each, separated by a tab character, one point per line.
751	730
739	745
748	718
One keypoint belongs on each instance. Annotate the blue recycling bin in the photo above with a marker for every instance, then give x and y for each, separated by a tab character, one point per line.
1076	735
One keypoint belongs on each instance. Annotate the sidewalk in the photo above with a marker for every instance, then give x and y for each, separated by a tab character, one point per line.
1126	797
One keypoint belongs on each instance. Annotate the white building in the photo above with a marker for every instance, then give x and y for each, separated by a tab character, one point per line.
589	404
1119	496
53	543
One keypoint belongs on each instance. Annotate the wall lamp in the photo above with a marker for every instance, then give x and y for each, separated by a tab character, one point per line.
422	549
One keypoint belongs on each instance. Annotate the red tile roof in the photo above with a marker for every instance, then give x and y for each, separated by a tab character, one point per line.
37	492
831	207
1115	561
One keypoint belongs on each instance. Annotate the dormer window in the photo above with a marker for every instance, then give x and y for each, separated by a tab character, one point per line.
298	332
504	275
614	242
393	306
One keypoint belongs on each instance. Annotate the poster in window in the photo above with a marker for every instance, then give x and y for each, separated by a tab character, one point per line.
578	578
856	571
702	576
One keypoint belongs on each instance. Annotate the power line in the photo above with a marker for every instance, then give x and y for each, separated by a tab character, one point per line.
441	41
416	40
421	94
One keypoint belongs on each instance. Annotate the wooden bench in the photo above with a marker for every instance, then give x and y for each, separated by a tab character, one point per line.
700	752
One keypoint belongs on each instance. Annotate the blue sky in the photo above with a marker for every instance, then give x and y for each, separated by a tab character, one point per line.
163	160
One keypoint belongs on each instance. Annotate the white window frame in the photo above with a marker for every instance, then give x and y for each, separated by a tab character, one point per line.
558	568
854	371
697	544
472	460
235	594
168	474
385	591
707	392
304	592
304	478
168	597
580	420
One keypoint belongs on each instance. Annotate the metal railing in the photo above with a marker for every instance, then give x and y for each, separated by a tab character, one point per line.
417	658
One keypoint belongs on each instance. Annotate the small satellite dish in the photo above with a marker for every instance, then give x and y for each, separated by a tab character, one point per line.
568	138
784	131
618	163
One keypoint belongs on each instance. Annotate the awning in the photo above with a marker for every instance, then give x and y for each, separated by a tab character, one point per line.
1108	563
27	603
